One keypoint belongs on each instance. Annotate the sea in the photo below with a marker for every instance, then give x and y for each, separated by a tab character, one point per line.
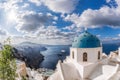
55	53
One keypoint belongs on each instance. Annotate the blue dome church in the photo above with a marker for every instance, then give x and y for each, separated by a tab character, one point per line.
87	62
86	48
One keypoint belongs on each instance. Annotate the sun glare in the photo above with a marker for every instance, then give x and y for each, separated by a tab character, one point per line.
12	15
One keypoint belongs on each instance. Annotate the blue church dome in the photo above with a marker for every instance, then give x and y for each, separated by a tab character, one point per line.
86	40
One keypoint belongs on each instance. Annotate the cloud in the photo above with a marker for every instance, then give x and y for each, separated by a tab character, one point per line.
32	21
37	2
61	6
36	26
119	35
105	16
53	35
51	32
111	40
47	35
10	4
112	3
58	6
25	5
73	28
3	32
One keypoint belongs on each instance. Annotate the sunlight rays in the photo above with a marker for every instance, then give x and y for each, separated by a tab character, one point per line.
11	16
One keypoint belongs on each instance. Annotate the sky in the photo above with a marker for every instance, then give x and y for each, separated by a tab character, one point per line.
58	21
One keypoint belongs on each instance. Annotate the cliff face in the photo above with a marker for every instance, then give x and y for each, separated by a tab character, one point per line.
30	53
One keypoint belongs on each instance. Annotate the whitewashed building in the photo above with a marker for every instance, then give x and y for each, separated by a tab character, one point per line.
87	61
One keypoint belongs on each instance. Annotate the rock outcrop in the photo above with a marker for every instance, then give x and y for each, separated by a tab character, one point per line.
30	54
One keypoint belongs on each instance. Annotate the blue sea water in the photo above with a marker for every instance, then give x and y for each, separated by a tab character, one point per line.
52	52
110	47
51	55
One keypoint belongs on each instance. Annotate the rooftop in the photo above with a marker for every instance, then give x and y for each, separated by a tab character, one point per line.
86	40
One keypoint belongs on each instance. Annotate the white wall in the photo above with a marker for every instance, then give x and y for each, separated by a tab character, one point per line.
89	69
75	53
119	51
92	54
92	57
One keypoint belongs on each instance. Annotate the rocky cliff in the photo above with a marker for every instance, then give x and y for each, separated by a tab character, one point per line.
30	53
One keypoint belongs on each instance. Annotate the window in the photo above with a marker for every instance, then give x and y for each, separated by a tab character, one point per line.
73	54
98	54
84	57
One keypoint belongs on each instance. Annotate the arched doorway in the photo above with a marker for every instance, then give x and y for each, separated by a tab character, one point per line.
98	54
84	57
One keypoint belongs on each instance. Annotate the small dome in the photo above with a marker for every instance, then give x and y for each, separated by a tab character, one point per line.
86	40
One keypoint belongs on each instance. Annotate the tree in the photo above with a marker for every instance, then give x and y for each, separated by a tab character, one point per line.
7	63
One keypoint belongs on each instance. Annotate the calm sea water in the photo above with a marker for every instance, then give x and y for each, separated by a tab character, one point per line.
52	52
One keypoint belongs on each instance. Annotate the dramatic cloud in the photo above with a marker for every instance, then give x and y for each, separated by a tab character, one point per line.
105	16
32	21
51	32
61	6
42	20
48	35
